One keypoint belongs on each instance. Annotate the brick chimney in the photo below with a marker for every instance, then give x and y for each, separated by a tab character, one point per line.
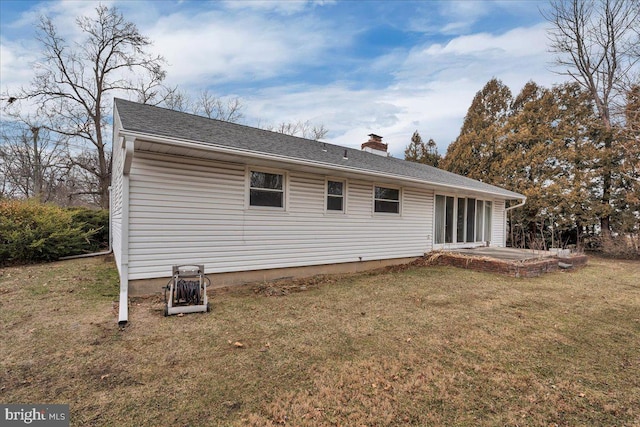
375	145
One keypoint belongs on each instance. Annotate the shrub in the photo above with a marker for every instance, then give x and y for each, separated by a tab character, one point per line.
34	232
96	222
624	246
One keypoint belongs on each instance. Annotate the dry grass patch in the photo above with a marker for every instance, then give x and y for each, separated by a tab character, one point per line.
424	346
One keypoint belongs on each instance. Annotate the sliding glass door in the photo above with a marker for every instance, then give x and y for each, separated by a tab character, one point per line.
444	219
471	220
460	223
462	220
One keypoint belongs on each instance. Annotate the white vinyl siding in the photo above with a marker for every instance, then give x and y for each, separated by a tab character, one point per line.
498	224
185	211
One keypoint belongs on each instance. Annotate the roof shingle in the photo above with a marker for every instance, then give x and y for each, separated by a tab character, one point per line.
162	122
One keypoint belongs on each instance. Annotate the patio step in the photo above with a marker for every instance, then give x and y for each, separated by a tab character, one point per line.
564	265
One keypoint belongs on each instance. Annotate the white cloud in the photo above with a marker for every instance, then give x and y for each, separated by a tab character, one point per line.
217	47
62	13
288	7
516	42
350	115
452	73
433	88
16	66
448	17
461	15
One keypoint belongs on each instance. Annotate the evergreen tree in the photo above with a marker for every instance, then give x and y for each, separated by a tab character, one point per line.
416	150
543	144
432	157
548	154
419	152
477	148
626	188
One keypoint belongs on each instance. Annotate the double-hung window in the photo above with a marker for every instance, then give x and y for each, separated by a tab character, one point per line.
266	189
386	200
335	196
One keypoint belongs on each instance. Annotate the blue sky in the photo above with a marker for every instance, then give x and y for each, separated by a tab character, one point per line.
387	67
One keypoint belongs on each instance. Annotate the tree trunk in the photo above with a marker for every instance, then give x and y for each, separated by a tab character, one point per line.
104	179
37	165
605	218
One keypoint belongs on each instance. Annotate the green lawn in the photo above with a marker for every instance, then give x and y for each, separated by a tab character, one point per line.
424	346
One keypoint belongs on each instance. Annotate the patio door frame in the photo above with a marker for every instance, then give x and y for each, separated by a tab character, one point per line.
476	231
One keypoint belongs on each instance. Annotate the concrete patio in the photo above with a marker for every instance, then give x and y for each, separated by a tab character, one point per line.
506	254
510	261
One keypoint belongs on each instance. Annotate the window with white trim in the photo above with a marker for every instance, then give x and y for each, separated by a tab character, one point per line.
386	200
335	195
266	189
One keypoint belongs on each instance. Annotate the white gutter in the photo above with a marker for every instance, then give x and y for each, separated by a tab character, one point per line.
516	206
264	156
123	312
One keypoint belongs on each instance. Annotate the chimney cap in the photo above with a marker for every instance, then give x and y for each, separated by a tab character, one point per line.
375	145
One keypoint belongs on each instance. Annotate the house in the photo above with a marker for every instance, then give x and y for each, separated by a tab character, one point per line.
251	204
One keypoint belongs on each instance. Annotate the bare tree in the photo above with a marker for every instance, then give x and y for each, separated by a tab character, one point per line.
75	81
205	104
32	161
178	100
596	43
302	129
213	107
150	89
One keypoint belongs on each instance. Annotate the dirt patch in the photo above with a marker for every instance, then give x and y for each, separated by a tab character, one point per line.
287	286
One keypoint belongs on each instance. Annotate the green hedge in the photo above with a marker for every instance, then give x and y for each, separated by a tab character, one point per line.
34	232
97	223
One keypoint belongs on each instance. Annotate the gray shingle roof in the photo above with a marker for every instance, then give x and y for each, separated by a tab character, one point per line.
162	122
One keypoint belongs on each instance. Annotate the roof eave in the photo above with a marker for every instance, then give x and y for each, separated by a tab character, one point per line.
207	146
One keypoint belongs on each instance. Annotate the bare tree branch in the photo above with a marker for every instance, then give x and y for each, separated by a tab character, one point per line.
299	128
74	83
596	43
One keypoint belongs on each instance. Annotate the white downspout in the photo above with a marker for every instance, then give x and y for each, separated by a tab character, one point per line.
123	312
505	218
110	220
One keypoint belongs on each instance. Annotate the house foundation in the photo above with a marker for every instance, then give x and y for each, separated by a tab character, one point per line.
219	280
